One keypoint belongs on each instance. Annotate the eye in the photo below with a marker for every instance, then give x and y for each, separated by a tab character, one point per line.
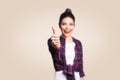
63	24
71	24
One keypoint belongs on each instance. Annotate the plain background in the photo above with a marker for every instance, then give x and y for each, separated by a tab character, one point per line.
25	26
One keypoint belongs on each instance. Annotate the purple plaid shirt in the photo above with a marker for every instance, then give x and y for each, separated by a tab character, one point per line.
58	56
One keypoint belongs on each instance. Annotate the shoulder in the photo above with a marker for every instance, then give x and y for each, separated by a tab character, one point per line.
77	41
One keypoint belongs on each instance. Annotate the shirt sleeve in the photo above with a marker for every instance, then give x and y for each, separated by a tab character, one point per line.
50	46
81	70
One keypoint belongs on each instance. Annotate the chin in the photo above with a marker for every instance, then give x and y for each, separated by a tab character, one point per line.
67	35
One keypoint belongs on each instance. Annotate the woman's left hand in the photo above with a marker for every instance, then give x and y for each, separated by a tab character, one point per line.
82	78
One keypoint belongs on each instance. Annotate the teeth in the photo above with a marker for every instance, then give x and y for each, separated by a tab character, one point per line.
67	31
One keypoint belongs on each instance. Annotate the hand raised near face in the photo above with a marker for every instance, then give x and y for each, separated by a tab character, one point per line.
55	39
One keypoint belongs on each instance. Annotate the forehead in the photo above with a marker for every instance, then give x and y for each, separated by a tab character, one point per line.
67	19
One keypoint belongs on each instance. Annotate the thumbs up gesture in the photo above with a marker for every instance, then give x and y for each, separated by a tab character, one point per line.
55	39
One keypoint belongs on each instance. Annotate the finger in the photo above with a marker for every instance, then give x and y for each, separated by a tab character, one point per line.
54	32
55	42
55	36
55	39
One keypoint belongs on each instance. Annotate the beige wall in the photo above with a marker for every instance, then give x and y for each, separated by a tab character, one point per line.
25	26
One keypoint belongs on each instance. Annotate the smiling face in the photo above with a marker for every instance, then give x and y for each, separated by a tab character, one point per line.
67	26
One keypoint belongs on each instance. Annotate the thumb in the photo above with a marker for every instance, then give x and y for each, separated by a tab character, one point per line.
54	31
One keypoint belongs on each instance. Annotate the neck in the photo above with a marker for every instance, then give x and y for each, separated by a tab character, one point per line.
68	39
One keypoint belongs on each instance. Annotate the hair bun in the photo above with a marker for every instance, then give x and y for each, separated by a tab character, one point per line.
68	10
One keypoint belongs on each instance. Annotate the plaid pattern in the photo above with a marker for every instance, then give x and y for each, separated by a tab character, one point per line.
59	61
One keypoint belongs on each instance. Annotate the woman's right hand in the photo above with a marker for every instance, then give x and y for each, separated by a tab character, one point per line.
55	39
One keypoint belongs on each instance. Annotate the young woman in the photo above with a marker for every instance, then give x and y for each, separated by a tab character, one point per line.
66	51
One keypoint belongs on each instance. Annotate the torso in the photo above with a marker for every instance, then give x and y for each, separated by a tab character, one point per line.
69	55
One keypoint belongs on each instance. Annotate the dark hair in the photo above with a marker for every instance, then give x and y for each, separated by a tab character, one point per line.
67	13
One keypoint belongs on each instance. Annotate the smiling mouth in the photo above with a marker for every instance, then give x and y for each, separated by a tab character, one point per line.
67	32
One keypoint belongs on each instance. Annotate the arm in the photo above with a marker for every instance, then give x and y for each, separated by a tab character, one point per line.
55	39
54	42
81	69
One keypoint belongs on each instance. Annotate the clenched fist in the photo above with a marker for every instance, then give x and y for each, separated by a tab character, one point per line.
55	39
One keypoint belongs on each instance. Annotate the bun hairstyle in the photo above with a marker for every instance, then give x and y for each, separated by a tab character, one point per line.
67	13
68	10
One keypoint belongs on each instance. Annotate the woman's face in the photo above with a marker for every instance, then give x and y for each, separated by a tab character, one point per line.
67	26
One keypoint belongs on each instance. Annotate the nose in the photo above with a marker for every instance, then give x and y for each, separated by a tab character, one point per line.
67	26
